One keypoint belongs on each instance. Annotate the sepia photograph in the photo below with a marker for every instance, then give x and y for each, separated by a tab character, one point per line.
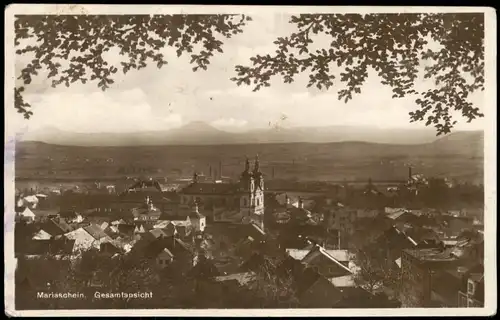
272	160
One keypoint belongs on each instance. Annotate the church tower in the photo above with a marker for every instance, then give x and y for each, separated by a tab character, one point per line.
252	194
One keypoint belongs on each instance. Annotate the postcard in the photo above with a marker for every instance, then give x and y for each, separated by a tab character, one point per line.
168	160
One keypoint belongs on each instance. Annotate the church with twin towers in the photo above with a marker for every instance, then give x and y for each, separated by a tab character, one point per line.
241	201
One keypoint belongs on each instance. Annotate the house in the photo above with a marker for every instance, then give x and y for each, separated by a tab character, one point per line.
46	213
118	222
104	225
55	227
198	221
246	196
71	216
164	258
42	235
110	247
419	268
139	229
160	233
471	294
88	237
147	212
25	214
124	229
454	226
395	239
154	249
341	218
312	289
30	201
326	265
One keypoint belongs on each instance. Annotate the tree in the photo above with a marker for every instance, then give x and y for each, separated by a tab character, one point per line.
81	40
375	272
118	274
271	288
391	44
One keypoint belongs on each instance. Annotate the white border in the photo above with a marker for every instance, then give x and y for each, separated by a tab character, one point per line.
489	157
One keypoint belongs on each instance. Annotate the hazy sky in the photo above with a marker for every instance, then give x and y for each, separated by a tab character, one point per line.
159	99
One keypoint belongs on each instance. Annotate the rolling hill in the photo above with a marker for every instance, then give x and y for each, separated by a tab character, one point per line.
201	133
458	155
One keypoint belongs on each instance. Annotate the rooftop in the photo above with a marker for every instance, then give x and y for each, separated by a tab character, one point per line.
210	188
95	231
431	254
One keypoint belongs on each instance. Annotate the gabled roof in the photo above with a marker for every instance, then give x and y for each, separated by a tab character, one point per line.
31	199
297	254
319	257
155	247
161	224
27	213
56	228
166	251
157	233
139	229
243	277
41	235
95	231
117	222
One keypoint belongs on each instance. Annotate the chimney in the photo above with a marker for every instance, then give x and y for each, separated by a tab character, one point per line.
220	170
273	173
409	173
301	203
210	171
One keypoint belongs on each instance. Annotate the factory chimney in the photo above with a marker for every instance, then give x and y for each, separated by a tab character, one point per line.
220	170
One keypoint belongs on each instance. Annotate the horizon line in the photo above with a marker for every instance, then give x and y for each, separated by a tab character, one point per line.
237	131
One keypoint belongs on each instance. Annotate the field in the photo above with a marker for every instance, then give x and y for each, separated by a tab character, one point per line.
460	159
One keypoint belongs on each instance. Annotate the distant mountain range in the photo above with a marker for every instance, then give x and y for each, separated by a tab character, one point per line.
201	133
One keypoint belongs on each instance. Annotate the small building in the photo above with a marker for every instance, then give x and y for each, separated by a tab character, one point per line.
42	235
71	216
25	214
164	258
471	295
418	266
147	212
87	237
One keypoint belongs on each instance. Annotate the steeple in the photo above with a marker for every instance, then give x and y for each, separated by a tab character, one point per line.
247	165
246	173
194	207
257	174
256	165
